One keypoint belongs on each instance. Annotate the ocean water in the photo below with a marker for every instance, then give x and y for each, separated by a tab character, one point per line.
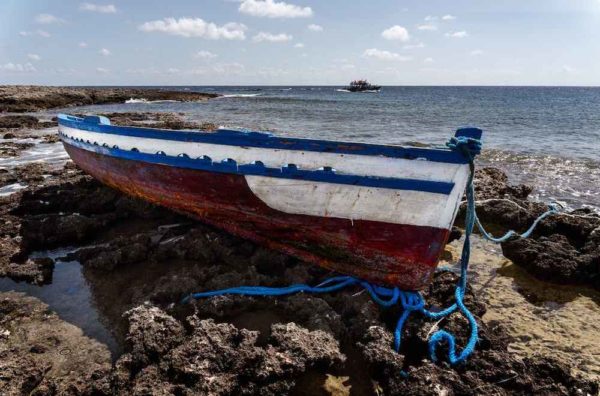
546	136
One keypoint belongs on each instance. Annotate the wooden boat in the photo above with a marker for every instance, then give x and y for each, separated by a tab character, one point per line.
377	212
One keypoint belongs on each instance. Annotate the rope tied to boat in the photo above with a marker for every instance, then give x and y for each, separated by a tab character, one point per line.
411	301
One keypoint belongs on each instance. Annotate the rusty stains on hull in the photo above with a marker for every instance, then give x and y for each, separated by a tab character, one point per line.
383	253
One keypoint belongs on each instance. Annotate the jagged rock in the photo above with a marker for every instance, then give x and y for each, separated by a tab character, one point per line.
152	333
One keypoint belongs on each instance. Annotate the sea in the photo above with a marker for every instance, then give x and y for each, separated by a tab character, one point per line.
548	137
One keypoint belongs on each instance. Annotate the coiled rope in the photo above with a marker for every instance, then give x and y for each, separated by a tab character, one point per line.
411	301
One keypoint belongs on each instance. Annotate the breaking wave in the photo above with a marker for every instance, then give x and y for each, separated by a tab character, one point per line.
240	95
146	101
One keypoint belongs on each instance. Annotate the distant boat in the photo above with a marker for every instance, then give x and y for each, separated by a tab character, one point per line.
377	212
362	86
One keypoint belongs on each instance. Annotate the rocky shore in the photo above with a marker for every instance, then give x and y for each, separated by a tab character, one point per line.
564	249
140	260
23	98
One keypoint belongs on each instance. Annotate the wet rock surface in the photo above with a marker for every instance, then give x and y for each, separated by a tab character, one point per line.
68	209
25	98
43	355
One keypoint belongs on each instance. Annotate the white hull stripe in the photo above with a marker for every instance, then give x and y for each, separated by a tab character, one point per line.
359	165
290	172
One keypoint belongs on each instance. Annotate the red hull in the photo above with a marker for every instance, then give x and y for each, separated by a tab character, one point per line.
382	253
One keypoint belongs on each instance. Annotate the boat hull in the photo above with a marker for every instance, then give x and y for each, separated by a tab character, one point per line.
384	253
379	213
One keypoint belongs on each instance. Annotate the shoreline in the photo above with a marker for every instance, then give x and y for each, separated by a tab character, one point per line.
32	98
131	253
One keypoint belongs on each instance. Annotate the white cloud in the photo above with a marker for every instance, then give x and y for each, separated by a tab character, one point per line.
427	26
204	55
274	9
428	60
568	69
47	19
103	9
18	67
102	70
104	52
461	34
41	33
173	70
476	52
396	32
414	46
298	45
385	55
34	57
447	17
83	44
273	38
315	28
196	27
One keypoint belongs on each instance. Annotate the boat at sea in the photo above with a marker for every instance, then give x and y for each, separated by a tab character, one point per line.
377	212
361	86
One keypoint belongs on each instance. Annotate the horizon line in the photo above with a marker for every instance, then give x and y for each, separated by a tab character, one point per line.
301	85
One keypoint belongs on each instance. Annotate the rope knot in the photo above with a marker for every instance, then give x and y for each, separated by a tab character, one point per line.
466	145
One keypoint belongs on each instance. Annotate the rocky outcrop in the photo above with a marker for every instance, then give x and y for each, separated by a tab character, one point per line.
218	358
23	121
564	248
24	98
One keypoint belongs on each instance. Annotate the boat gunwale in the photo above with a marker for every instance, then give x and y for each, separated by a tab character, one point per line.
266	140
258	169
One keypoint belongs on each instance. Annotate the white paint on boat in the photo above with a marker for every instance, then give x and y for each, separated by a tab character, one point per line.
360	203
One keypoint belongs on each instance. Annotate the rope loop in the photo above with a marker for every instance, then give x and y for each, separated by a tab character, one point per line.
442	335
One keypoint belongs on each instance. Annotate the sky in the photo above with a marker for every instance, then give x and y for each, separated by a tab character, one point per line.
300	42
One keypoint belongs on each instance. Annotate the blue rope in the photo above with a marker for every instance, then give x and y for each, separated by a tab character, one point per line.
411	301
553	209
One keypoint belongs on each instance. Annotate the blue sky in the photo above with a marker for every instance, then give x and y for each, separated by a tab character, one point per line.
223	42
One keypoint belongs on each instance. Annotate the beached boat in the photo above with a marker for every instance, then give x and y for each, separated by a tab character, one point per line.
377	212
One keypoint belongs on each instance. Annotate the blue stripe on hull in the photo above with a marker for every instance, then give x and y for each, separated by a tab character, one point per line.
264	140
258	169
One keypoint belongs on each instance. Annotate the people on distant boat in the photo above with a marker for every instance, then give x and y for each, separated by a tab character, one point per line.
362	86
